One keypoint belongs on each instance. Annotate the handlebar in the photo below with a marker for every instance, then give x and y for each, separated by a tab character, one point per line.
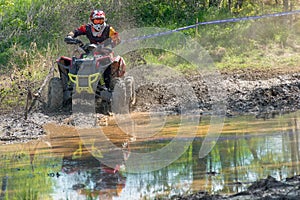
88	47
70	40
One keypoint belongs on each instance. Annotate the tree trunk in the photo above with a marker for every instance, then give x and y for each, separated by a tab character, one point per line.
292	5
229	5
213	3
239	4
285	5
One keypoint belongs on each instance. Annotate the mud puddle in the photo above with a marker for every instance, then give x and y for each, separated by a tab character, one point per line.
253	159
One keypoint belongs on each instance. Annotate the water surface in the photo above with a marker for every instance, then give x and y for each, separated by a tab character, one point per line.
60	166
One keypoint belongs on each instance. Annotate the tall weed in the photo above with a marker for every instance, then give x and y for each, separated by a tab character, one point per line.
24	80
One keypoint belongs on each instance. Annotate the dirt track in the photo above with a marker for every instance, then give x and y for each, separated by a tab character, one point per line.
259	92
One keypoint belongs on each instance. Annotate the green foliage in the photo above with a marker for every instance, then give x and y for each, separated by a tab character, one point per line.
4	6
30	67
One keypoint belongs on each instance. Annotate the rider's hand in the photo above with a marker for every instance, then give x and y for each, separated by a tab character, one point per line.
70	35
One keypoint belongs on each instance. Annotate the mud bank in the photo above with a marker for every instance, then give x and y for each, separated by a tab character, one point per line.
15	128
241	92
268	188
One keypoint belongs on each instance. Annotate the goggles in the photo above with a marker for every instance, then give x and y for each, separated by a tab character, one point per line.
98	21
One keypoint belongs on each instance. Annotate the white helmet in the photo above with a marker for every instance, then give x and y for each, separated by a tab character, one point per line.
95	16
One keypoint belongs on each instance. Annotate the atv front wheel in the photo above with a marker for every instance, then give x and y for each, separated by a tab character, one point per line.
130	90
119	104
55	94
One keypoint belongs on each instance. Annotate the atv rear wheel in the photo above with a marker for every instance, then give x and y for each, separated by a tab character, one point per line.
55	94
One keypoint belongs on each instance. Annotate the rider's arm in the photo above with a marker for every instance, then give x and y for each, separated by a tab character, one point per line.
114	37
79	31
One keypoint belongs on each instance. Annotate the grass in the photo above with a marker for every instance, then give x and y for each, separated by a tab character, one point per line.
29	68
270	56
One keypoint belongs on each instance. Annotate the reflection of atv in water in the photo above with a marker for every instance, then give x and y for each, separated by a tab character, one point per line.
96	71
90	178
82	175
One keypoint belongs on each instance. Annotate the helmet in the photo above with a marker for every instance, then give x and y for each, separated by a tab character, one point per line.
97	14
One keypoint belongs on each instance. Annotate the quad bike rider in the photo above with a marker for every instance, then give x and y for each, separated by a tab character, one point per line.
106	70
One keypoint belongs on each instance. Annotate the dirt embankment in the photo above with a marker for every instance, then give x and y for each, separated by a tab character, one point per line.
265	91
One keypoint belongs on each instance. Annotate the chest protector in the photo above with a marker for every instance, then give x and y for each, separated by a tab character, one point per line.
99	38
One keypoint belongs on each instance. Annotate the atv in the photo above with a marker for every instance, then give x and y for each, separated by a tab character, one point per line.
95	71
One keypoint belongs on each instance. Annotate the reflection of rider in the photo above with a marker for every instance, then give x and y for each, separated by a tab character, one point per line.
98	32
89	177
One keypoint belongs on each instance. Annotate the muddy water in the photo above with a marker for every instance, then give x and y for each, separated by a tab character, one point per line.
72	164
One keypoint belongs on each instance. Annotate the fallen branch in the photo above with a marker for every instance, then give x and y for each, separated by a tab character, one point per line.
28	99
36	96
50	74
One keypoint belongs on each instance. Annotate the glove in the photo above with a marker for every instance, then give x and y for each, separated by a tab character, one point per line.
70	35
